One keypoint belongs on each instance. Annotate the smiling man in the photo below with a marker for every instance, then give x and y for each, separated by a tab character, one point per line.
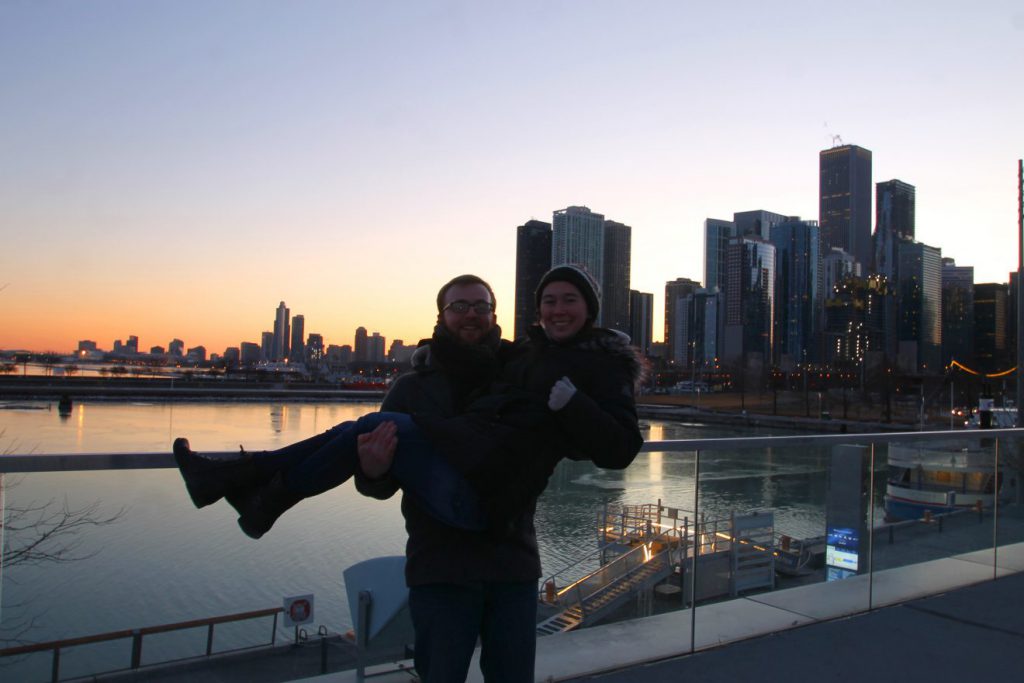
463	585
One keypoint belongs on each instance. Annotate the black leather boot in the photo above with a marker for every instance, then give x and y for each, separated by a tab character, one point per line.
259	510
208	480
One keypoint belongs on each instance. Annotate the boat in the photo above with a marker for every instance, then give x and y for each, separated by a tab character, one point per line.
940	480
799	556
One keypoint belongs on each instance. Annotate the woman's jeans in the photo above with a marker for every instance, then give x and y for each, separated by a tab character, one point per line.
327	460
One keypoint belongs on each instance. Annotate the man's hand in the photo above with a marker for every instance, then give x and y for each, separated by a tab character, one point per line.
561	393
377	449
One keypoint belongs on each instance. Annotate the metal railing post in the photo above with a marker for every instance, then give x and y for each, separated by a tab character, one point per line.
55	673
696	554
209	640
871	525
996	486
136	648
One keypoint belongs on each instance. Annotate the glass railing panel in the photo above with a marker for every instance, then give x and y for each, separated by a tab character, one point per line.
158	560
1010	521
936	499
154	559
778	497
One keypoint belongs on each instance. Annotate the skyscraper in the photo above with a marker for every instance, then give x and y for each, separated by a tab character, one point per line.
895	207
919	306
749	300
533	259
757	223
376	344
615	285
844	200
641	319
280	350
990	308
894	221
250	354
706	328
676	324
717	234
314	350
577	237
957	313
361	346
297	352
837	265
853	320
267	345
799	282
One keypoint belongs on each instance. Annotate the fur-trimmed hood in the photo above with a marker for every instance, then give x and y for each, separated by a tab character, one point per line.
613	342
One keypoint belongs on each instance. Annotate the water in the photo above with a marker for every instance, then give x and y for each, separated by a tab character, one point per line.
163	561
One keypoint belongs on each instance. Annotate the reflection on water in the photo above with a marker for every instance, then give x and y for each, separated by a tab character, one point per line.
166	561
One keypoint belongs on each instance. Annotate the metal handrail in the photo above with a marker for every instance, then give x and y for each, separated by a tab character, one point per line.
138	634
73	462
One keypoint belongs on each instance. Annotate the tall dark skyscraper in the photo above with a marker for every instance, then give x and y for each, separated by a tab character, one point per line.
894	207
919	306
267	345
757	223
615	285
990	309
677	293
362	345
844	201
533	259
894	221
799	295
957	313
717	234
749	300
280	349
314	350
297	350
641	319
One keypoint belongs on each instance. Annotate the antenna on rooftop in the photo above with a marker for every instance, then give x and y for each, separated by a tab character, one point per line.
837	141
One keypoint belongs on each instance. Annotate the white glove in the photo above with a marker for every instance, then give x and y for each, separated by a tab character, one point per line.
561	393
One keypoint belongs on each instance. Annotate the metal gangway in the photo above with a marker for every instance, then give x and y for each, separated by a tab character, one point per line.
601	592
636	551
640	546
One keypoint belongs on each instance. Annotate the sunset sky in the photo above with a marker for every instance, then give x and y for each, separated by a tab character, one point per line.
176	169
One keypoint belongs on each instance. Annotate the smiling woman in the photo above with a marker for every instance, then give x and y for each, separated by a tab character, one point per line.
568	300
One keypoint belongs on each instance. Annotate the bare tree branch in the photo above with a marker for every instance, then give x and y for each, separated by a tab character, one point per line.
37	533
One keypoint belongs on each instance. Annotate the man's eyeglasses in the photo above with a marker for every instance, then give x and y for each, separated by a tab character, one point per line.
461	307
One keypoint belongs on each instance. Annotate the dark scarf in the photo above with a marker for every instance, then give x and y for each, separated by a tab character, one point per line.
469	367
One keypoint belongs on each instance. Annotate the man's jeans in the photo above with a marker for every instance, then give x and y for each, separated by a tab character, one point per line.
448	618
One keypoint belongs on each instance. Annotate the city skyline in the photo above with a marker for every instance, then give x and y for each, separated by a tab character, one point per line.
175	167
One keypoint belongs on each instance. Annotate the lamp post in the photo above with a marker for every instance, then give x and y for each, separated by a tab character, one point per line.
1020	273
